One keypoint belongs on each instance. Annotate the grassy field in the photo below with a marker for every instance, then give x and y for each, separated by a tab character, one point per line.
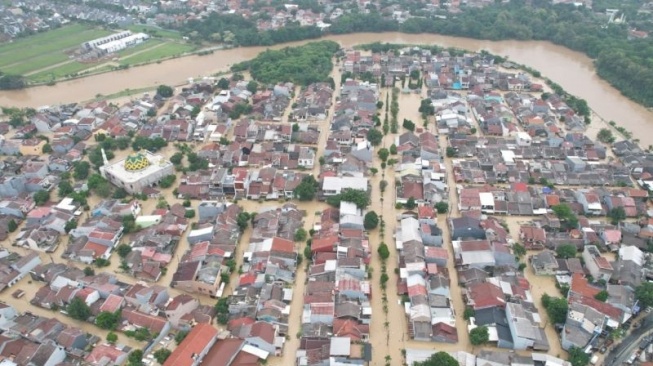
155	31
44	49
167	50
138	48
60	72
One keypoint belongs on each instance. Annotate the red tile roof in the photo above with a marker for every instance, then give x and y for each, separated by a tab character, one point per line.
486	295
581	286
282	245
197	341
326	244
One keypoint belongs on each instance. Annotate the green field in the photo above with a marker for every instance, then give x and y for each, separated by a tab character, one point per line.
44	49
167	50
59	72
138	48
155	31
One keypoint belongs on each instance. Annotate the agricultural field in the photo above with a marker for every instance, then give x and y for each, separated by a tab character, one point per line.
29	54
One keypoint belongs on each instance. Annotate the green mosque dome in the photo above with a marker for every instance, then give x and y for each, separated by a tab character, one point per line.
136	162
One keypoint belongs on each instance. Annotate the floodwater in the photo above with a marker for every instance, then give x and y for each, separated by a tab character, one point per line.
572	70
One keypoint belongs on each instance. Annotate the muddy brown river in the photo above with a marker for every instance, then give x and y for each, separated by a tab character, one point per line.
572	70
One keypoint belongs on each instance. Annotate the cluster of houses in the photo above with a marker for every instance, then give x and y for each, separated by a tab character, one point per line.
522	199
32	339
495	357
423	279
212	243
337	310
572	160
259	306
591	318
497	292
420	173
139	305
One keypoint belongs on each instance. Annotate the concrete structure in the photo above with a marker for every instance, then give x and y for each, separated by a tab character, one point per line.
332	186
137	171
115	42
598	266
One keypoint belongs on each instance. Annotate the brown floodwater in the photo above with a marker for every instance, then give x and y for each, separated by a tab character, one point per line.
572	70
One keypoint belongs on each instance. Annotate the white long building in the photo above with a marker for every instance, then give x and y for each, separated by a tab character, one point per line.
115	42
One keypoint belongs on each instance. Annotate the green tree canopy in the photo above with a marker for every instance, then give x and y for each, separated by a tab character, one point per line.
556	308
371	220
41	197
306	190
356	196
108	320
161	355
479	335
300	235
374	136
383	251
81	170
566	251
617	214
577	357
135	358
383	154
439	359
644	293
164	91
77	309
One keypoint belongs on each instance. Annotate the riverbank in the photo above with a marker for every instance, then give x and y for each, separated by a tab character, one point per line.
572	70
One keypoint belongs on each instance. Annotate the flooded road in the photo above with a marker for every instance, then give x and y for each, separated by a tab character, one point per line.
572	70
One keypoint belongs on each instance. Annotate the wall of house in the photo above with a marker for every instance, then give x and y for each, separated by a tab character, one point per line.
57	356
518	342
175	316
258	342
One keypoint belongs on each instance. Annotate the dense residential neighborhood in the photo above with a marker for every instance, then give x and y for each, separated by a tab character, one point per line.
417	199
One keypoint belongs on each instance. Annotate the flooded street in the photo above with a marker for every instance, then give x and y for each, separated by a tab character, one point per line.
312	209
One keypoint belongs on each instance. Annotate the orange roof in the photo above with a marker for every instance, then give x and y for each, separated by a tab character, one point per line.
98	249
200	338
552	200
282	245
581	286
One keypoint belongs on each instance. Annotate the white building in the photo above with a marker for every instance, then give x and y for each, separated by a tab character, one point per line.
137	171
115	42
332	186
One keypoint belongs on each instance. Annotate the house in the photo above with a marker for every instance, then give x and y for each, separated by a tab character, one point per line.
582	323
72	339
597	265
106	354
485	295
466	228
192	350
525	328
332	186
475	253
306	157
179	306
262	335
533	237
545	263
628	266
